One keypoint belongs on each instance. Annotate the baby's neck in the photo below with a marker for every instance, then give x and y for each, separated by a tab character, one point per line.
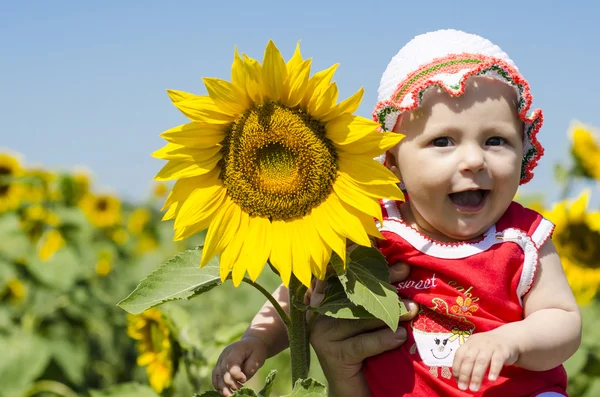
423	227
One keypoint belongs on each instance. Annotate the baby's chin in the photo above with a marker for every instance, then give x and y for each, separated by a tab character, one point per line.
468	231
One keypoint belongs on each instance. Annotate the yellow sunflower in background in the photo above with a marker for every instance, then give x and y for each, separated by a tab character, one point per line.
154	345
275	168
138	220
14	291
39	186
586	150
11	192
101	210
50	242
104	264
577	240
160	190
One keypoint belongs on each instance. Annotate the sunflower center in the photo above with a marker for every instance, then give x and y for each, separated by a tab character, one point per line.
277	162
581	243
101	205
4	186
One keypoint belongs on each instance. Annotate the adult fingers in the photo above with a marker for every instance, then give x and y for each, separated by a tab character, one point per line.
398	272
360	347
329	329
413	310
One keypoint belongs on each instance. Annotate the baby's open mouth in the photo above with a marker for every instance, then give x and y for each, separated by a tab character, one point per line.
469	200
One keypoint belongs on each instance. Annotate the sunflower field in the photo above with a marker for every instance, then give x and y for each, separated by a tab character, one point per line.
69	254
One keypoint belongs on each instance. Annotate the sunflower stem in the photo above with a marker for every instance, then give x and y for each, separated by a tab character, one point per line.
284	317
298	333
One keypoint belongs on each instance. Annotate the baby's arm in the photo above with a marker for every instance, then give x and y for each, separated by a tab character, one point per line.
264	338
547	337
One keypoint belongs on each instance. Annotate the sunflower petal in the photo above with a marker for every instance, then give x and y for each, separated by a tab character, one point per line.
367	221
358	200
348	128
221	231
274	72
195	205
318	83
296	59
254	85
321	104
300	254
226	96
330	236
344	222
231	253
202	109
281	251
239	74
173	151
257	246
578	208
177	169
373	145
195	135
296	84
364	170
387	191
177	96
348	106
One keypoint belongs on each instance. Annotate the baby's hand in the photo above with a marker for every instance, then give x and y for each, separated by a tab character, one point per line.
237	363
491	350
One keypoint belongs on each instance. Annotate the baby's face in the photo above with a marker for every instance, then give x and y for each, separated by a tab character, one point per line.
461	158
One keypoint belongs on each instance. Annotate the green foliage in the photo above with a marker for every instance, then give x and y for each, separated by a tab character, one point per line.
366	281
178	278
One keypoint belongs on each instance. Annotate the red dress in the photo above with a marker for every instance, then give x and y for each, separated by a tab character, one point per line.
463	288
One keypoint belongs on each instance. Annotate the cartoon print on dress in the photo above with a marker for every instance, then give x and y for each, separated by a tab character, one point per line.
438	334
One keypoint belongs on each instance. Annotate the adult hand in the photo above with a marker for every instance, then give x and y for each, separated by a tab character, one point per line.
342	345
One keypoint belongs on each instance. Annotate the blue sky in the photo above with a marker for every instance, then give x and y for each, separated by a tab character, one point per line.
82	83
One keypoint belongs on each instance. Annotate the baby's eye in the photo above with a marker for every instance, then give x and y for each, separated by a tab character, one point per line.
443	141
495	141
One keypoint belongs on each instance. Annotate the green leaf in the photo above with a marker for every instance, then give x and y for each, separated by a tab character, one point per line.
69	352
366	282
244	392
594	389
266	391
125	390
336	303
308	388
24	357
577	362
60	271
179	278
13	241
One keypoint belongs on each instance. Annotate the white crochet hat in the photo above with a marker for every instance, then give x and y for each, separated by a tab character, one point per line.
446	58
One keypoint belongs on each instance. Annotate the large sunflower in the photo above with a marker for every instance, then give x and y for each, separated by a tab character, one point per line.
275	169
577	240
102	211
154	345
585	150
11	191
